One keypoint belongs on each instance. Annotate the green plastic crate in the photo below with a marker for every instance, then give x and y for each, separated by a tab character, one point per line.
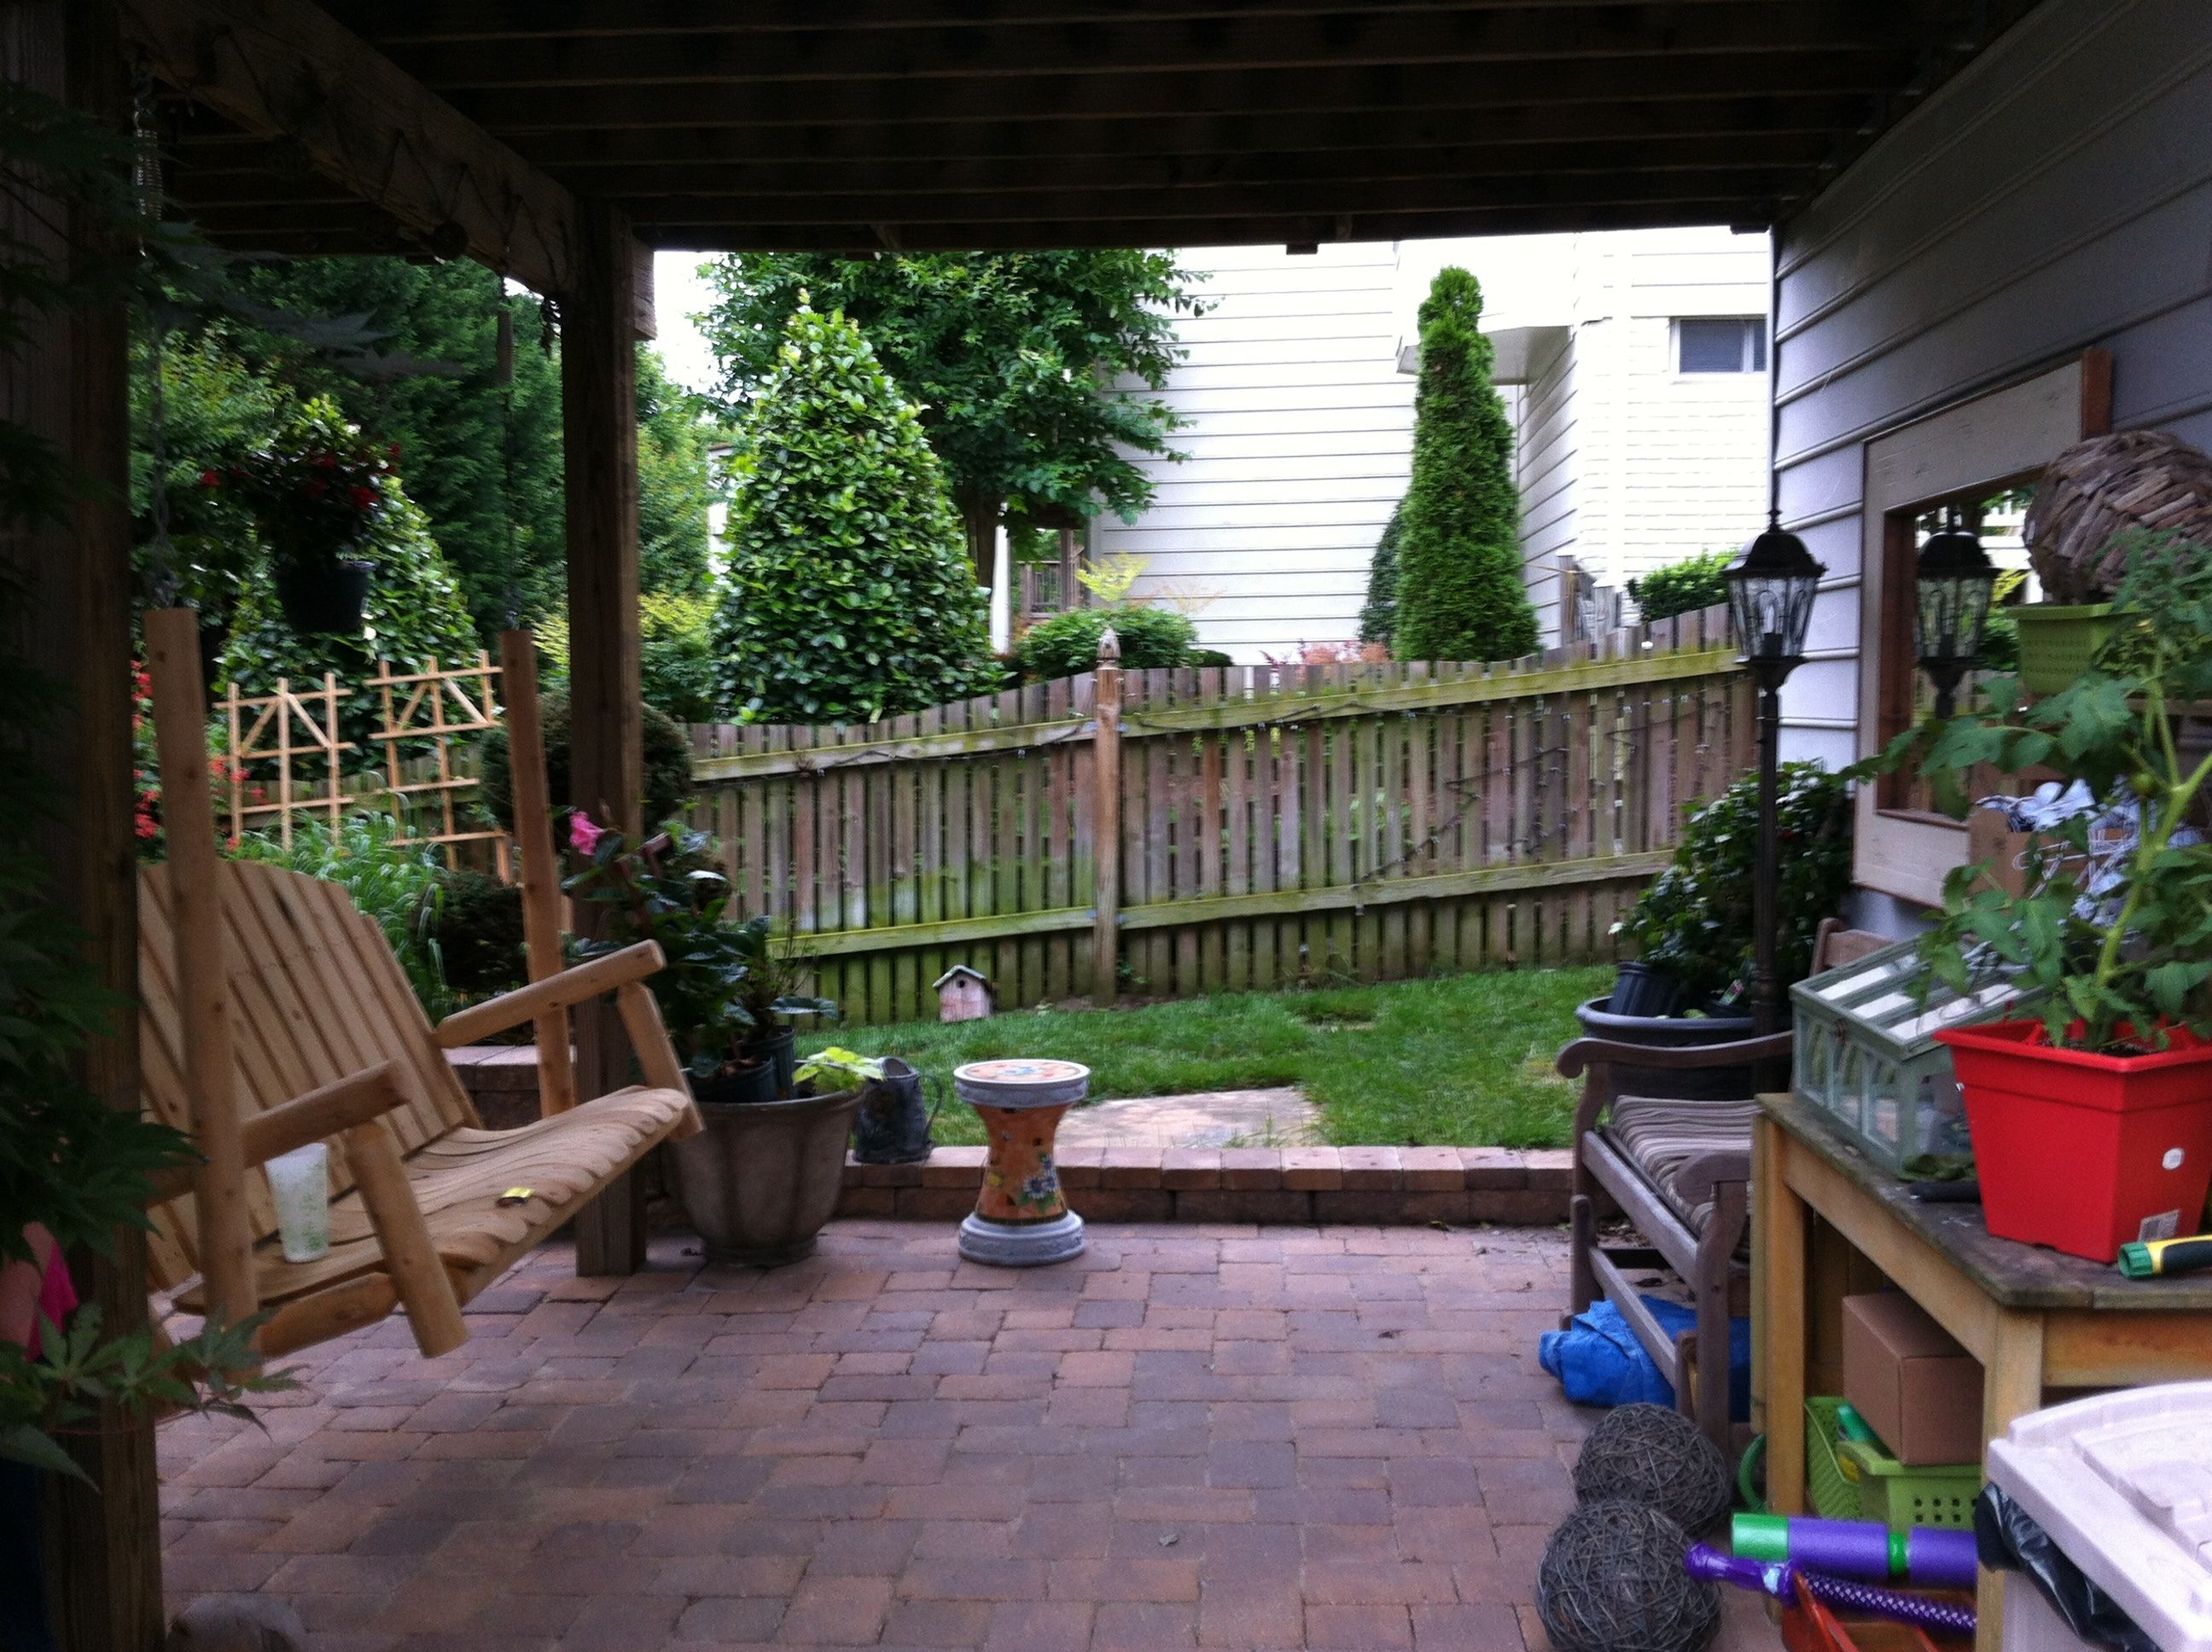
1833	1495
1900	1497
2057	642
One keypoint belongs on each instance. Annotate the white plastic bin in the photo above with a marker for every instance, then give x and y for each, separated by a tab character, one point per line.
2123	1484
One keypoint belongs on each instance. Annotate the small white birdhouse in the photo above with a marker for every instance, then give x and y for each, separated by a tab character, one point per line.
963	994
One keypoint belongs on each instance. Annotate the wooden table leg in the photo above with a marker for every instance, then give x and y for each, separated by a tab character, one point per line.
1779	1230
2012	1387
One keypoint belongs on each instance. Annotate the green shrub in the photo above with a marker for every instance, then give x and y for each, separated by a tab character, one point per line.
1682	588
676	654
1693	922
850	596
1066	645
667	765
398	885
1378	620
479	933
1460	594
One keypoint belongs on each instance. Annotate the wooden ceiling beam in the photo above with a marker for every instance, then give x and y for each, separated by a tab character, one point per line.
862	240
1200	202
1469	36
1299	93
577	156
937	180
424	21
285	69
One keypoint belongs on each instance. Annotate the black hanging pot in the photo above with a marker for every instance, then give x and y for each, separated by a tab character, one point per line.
1639	989
892	1127
323	598
781	1050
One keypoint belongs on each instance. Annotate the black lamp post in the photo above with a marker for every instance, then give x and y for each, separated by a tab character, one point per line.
1956	580
1771	590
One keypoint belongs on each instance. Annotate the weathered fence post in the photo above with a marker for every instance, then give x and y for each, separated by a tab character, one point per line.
1106	845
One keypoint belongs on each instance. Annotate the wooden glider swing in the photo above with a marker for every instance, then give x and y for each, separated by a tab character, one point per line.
273	1014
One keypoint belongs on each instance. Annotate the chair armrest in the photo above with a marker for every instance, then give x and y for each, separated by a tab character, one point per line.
1699	1180
1586	1052
329	1110
579	984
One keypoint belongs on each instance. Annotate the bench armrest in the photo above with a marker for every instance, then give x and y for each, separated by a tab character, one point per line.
579	984
1586	1052
1699	1181
328	1110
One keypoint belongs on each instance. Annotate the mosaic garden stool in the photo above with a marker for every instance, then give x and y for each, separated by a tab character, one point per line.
1020	1219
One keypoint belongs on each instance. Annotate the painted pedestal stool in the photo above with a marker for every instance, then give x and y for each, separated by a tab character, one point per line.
1020	1219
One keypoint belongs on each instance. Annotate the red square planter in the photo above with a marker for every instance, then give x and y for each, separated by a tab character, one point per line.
2085	1152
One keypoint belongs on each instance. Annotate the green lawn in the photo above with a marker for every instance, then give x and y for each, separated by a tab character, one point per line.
1461	1061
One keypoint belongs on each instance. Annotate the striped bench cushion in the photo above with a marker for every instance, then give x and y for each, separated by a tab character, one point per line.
1659	1137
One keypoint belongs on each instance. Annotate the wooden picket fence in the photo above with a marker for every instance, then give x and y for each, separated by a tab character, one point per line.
1267	825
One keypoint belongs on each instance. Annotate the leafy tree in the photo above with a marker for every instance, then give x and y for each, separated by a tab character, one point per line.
482	459
675	482
1378	619
849	596
1460	595
1022	361
676	654
1683	587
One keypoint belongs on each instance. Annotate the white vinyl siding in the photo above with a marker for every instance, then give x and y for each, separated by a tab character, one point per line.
1300	437
2055	196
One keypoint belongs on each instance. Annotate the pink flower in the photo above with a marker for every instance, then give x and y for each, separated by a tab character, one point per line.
583	836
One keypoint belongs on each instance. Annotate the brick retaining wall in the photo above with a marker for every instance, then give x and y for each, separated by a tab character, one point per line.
1289	1186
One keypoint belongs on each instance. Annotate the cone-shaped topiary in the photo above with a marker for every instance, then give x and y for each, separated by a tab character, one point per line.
850	594
1460	595
1378	620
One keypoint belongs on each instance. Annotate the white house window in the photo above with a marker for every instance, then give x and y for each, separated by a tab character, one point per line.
1721	345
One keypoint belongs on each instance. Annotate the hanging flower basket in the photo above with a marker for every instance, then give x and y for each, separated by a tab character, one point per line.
317	492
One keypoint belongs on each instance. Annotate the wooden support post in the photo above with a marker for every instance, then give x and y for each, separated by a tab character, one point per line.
67	613
196	875
541	859
599	401
1106	814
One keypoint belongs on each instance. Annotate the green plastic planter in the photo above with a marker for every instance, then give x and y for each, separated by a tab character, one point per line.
2058	643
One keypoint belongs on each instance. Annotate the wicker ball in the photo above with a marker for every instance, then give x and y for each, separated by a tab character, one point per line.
1612	1580
1656	1457
2099	488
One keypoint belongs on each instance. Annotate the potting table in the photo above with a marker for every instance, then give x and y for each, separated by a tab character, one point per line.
1826	1223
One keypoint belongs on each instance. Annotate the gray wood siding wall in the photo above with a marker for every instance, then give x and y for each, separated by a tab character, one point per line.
2055	197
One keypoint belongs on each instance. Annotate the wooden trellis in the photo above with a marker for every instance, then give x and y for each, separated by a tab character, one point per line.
288	728
437	706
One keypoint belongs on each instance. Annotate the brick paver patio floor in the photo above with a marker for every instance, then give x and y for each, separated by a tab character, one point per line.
1221	1437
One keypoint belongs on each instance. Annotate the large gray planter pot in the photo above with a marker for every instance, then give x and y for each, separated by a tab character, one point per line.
762	1179
1674	1032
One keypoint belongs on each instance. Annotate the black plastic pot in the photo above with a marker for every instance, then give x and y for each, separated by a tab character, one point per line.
1674	1032
892	1127
1640	990
747	1085
323	599
781	1050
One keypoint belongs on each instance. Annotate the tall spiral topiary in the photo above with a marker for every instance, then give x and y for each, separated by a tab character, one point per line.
1460	595
850	594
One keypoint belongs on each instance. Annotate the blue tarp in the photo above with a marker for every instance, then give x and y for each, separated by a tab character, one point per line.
1600	1362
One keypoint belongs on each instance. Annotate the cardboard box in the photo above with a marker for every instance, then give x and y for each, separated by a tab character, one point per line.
1915	1387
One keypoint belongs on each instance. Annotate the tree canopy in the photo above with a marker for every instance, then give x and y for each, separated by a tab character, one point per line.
849	597
1033	369
1460	593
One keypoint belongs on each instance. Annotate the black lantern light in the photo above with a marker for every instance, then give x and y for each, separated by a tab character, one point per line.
1956	580
1771	592
1771	589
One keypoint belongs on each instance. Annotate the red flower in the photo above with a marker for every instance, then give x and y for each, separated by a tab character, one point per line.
326	461
210	478
317	486
363	498
393	451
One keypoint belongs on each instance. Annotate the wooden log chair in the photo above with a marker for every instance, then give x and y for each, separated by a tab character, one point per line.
1681	1171
274	1014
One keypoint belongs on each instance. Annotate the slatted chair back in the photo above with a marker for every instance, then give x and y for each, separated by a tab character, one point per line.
317	996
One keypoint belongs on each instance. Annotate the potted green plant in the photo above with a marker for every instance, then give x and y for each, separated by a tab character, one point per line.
2092	1124
761	1182
768	996
316	493
1692	928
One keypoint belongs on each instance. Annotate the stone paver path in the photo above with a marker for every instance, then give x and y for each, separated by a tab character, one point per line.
1220	1118
1195	1436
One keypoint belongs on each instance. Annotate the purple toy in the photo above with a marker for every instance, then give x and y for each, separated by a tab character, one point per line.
1927	1555
1777	1578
